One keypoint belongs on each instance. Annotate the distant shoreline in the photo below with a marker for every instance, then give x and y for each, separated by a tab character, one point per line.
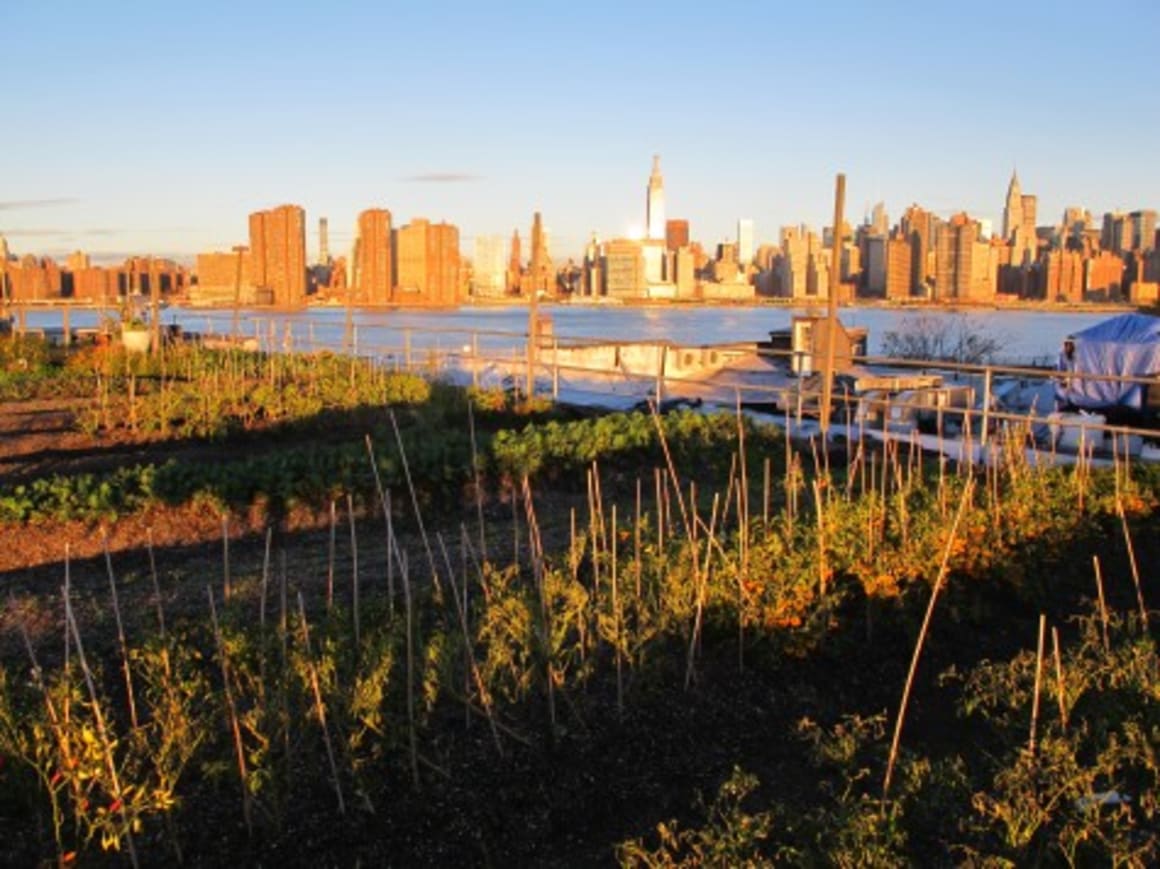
917	305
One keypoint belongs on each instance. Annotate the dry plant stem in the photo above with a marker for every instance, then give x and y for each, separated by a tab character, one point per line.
415	505
353	570
1059	683
232	711
1038	684
319	706
124	646
102	730
477	677
1103	603
968	490
1132	564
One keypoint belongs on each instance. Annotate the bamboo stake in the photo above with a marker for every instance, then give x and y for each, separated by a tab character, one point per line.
616	625
701	580
636	541
968	489
765	493
265	580
1132	563
415	505
409	613
124	646
1059	683
231	707
823	570
478	482
461	608
102	731
330	555
537	553
319	706
65	601
1103	603
1038	684
156	584
225	557
385	502
660	508
353	571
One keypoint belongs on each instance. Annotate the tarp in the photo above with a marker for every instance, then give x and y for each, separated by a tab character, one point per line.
1127	345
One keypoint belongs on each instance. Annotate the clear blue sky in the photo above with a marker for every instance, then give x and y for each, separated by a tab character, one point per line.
132	126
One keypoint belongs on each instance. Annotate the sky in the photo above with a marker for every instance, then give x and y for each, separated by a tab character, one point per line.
137	126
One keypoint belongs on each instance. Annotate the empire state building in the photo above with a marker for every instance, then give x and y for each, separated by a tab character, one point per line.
655	206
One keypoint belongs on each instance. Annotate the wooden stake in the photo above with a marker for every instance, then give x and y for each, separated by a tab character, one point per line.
128	673
1103	603
415	505
330	555
225	557
1132	563
319	706
1059	683
102	730
461	608
1038	684
968	490
353	571
156	585
231	708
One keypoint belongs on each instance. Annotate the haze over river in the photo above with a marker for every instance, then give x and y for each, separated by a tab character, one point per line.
1025	336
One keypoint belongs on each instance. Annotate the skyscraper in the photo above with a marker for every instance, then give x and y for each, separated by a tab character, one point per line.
540	278
488	266
374	264
323	242
1013	209
676	234
745	241
428	263
655	205
278	255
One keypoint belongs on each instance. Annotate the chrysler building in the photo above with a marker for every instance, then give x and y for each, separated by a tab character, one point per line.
655	208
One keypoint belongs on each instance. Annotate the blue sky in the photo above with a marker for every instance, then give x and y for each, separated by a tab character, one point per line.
156	127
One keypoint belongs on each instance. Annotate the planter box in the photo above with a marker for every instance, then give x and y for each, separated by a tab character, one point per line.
135	340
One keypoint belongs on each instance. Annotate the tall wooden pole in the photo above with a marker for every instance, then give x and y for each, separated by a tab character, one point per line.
832	313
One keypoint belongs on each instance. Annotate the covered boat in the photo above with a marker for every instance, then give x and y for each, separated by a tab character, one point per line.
1124	346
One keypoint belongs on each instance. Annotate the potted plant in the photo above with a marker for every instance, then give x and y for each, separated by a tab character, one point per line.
134	332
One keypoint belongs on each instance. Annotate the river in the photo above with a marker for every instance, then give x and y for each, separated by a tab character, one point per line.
1025	336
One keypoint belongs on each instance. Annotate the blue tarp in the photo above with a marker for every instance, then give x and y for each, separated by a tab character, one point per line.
1127	345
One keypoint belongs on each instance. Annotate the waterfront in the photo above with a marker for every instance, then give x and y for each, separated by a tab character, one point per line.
1026	335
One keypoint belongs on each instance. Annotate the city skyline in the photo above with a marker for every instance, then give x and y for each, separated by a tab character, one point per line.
481	115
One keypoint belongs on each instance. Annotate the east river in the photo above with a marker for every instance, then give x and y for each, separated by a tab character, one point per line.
1025	336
